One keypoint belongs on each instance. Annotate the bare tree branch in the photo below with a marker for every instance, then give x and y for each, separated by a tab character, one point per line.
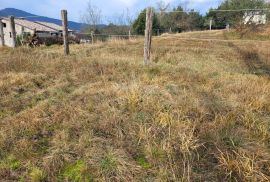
92	16
162	6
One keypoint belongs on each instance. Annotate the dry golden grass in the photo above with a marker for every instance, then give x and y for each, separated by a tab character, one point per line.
199	112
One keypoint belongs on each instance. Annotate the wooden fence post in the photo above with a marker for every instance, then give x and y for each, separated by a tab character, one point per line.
150	32
228	27
148	35
12	31
129	35
210	25
65	31
2	38
92	37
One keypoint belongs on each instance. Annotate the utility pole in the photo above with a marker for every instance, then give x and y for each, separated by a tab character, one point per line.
2	38
148	35
65	31
12	31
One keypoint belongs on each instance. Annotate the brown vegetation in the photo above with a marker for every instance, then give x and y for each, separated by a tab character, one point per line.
199	112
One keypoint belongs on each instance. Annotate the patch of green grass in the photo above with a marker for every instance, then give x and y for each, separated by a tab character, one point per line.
77	172
37	98
10	163
108	164
22	179
143	162
153	71
214	75
37	175
232	142
4	113
158	153
42	145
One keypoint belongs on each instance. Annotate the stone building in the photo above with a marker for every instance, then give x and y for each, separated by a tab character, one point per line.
22	27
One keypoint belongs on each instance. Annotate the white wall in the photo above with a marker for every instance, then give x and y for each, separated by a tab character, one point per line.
20	29
257	19
7	32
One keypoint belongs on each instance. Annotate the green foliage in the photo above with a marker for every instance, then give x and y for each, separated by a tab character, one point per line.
21	38
174	21
179	21
139	25
113	29
157	154
143	162
234	18
37	175
77	172
108	164
21	179
10	163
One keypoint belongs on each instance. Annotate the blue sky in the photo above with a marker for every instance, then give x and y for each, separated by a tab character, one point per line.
110	8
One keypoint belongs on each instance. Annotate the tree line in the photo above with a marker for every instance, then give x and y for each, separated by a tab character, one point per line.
179	19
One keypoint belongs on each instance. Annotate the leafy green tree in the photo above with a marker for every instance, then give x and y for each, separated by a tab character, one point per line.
138	26
234	18
193	21
173	20
113	29
178	20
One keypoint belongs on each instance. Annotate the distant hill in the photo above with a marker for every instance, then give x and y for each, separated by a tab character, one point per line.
19	13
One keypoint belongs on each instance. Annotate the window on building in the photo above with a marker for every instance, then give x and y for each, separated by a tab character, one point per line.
10	35
5	25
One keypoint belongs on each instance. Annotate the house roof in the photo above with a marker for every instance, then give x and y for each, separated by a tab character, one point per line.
52	25
32	25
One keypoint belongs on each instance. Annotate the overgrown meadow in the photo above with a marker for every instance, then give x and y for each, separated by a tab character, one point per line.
199	112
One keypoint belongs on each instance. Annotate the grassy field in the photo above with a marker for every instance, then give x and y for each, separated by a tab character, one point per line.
199	112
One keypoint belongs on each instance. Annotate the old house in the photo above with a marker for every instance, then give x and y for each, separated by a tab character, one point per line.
57	28
22	27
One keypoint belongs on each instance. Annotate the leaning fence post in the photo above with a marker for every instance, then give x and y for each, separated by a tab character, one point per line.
12	31
2	38
148	35
65	31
